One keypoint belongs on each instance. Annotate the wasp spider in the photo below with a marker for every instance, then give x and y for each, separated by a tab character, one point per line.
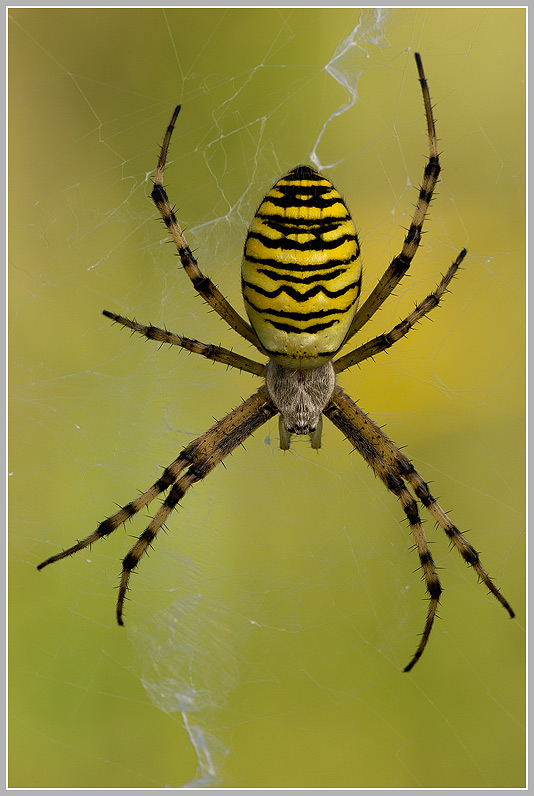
301	280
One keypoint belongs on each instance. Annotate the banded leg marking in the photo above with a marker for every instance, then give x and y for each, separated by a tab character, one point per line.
202	284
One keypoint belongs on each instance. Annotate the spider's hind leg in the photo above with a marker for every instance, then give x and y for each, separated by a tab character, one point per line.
202	284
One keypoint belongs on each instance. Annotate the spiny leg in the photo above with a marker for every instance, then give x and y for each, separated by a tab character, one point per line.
195	453
356	430
219	441
149	534
384	341
466	550
403	466
402	262
107	526
399	464
201	283
214	352
189	456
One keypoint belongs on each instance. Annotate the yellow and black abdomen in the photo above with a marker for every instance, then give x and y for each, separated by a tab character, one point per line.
301	274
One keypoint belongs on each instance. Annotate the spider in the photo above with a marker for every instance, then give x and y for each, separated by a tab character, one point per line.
301	280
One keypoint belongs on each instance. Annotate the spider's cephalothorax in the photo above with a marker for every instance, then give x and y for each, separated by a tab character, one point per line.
301	282
301	397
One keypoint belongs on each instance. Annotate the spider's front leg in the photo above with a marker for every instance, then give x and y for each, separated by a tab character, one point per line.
393	468
206	453
359	429
197	460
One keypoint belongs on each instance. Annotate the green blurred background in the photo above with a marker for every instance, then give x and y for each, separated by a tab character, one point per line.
266	634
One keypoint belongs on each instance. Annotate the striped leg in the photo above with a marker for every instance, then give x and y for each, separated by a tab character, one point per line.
198	458
169	476
214	352
359	430
467	551
212	447
393	467
402	262
201	283
385	341
398	462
